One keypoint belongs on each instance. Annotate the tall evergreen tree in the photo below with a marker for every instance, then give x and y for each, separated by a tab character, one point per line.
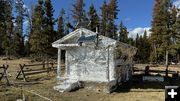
112	15
131	41
177	29
160	36
145	35
93	17
145	48
123	33
36	36
49	33
8	28
173	18
104	20
61	25
29	16
18	43
176	36
78	11
143	45
108	15
2	23
137	45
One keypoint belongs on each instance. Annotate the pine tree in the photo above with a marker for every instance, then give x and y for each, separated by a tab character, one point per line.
36	36
143	45
78	11
49	14
49	33
137	40
110	29
66	27
113	9
176	36
173	28
18	43
177	29
61	25
112	15
131	41
28	31
145	35
145	48
2	23
108	15
123	33
104	20
8	28
138	46
160	37
93	18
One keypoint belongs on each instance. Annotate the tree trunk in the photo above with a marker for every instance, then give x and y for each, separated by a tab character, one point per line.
155	52
166	63
166	59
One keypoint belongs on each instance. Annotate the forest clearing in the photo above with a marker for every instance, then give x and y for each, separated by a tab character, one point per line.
89	50
131	90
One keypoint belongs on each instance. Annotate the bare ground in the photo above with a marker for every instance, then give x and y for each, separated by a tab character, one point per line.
129	91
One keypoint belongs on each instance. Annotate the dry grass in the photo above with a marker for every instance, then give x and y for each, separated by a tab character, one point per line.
130	91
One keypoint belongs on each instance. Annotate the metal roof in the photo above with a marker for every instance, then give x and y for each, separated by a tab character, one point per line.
91	38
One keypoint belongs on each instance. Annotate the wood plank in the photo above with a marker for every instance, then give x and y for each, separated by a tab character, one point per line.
2	67
34	65
21	68
156	71
29	65
37	72
28	70
19	72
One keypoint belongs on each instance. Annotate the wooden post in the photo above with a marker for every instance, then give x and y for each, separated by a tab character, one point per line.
43	64
22	71
4	74
147	70
59	63
53	68
167	63
166	58
166	72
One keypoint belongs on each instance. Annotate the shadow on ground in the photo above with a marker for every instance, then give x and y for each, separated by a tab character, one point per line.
137	83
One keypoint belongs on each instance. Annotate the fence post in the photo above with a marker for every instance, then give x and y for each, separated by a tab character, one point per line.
146	70
166	72
43	65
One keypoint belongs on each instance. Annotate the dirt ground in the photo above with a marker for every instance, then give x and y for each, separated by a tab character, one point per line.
43	85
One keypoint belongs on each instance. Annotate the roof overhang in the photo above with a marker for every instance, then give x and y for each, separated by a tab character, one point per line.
65	45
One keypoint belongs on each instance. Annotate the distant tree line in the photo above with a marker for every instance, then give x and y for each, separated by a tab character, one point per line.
36	42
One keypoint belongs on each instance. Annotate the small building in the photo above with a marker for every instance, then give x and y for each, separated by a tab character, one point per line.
92	57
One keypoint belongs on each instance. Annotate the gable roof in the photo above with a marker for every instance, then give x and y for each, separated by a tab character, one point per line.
87	39
88	35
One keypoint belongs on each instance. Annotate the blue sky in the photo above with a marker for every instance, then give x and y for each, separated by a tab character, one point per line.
135	14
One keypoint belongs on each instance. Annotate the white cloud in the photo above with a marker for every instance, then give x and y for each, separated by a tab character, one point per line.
177	3
140	31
